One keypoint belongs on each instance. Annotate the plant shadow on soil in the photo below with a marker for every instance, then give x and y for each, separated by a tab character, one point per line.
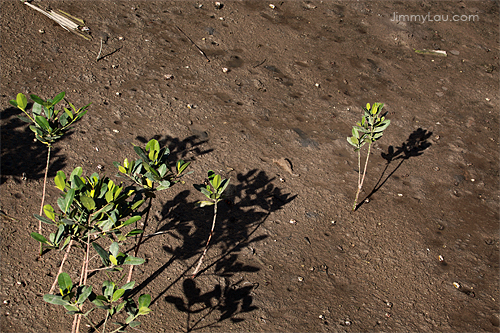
22	157
247	206
412	147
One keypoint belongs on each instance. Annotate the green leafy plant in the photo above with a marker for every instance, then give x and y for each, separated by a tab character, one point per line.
92	211
151	172
370	129
213	189
48	124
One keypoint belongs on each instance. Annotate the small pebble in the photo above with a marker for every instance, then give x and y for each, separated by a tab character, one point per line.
400	194
272	6
292	221
317	85
454	52
300	278
41	31
225	69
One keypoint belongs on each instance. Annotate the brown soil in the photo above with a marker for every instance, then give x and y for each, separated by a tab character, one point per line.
297	77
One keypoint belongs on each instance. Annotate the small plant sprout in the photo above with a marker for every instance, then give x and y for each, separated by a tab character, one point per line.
48	124
370	129
91	213
213	190
151	172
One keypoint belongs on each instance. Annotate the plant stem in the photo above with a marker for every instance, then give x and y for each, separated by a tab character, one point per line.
61	266
136	251
208	241
364	174
83	281
359	180
43	194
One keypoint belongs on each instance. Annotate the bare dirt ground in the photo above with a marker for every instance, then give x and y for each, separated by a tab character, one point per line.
298	75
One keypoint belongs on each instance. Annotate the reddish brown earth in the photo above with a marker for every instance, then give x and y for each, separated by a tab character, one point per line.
377	269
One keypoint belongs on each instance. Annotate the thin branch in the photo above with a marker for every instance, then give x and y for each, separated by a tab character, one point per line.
43	195
61	267
136	251
201	51
208	241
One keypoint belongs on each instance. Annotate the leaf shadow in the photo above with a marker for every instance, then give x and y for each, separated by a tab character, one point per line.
414	146
249	204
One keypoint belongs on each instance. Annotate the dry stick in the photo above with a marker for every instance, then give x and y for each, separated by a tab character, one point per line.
43	195
201	51
100	50
208	242
131	269
61	267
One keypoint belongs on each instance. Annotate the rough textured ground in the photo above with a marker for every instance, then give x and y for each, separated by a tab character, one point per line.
297	77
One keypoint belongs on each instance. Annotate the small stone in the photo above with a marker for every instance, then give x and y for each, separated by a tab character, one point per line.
300	278
272	6
168	76
317	85
225	70
41	31
440	93
292	221
454	52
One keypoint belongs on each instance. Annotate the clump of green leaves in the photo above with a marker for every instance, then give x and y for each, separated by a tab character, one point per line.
93	211
213	189
48	124
370	129
151	172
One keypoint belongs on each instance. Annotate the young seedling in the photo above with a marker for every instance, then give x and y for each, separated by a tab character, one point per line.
48	125
213	190
90	211
151	172
370	129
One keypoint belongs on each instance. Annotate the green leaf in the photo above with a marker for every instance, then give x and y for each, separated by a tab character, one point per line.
131	220
43	219
40	238
134	324
129	319
22	101
144	301
206	192
55	299
37	109
129	285
153	147
382	126
130	260
113	249
117	295
66	202
216	181
122	169
223	185
25	119
100	304
164	184
87	202
120	306
144	311
102	253
78	171
137	204
60	180
84	294
204	203
162	170
135	232
181	166
108	289
65	284
42	122
113	260
138	150
72	309
58	98
37	99
353	141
